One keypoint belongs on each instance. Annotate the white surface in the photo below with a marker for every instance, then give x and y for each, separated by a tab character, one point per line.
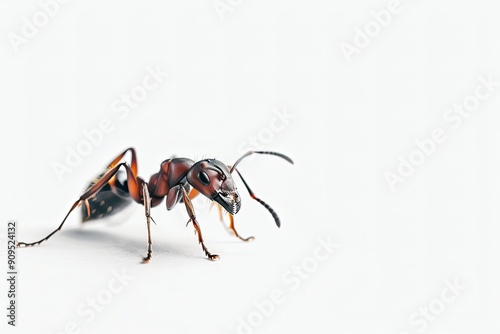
226	78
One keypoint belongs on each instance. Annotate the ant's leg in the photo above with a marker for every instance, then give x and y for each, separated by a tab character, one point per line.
232	228
147	211
231	223
133	190
193	193
133	165
192	218
133	162
24	244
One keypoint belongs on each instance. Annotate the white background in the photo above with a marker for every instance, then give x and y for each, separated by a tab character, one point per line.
352	120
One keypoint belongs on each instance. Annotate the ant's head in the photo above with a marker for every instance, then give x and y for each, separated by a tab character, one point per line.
212	179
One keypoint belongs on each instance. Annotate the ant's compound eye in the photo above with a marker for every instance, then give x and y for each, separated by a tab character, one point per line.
203	177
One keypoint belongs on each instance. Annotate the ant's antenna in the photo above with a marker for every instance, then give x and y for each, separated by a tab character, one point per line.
259	152
264	204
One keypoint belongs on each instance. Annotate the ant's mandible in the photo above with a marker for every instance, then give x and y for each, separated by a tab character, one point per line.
179	180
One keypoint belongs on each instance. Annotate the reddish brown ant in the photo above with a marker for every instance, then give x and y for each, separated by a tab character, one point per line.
108	194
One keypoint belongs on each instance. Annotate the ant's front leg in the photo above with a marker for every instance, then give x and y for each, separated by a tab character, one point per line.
231	227
193	193
192	218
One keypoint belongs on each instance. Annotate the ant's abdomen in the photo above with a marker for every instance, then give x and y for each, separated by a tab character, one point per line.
107	202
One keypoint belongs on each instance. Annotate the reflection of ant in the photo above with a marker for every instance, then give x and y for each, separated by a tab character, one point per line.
108	194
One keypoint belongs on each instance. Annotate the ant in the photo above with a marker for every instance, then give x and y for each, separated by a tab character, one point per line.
179	181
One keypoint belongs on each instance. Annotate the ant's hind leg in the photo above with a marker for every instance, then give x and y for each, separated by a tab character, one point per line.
133	189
